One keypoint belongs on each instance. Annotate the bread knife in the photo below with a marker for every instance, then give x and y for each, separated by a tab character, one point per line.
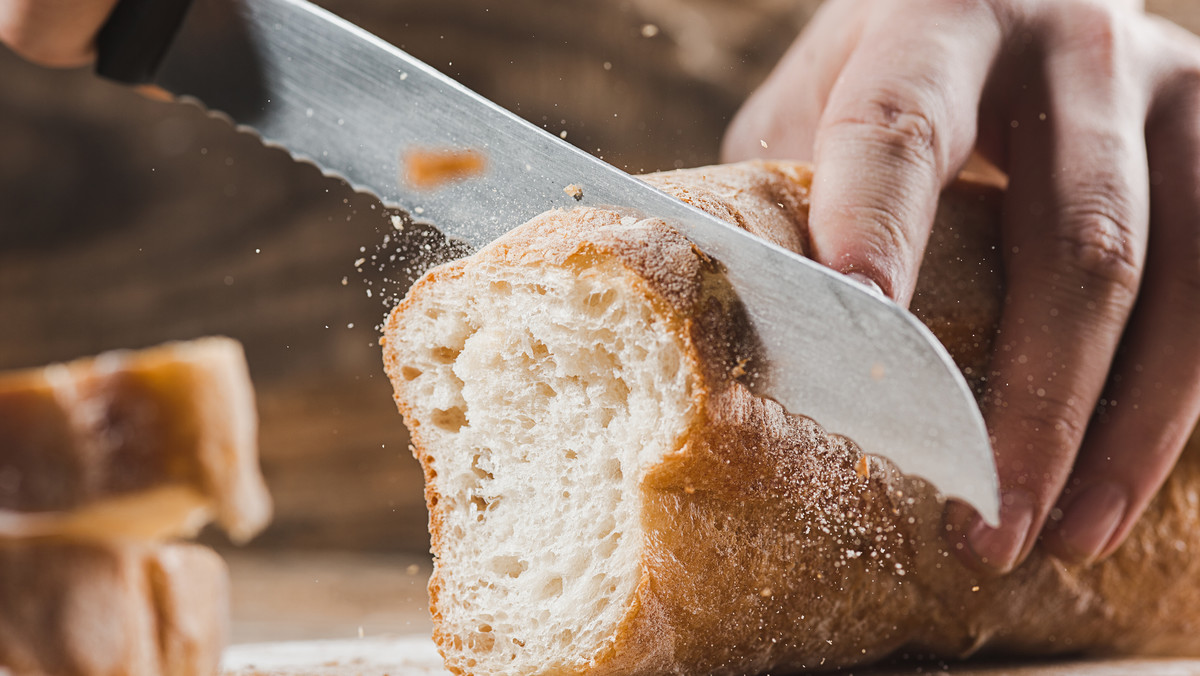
358	108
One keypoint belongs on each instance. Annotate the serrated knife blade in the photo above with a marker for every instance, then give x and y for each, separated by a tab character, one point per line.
331	93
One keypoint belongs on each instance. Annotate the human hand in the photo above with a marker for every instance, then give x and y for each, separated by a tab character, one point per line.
1093	109
56	33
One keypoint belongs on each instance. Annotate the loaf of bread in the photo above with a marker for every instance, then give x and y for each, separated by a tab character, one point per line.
145	444
93	609
103	462
608	495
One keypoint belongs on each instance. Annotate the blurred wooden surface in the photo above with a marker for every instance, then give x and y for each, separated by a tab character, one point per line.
293	595
125	222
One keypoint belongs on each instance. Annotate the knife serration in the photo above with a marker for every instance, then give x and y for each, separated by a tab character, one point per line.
331	93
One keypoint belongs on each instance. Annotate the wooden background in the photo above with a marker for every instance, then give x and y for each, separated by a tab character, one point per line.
125	222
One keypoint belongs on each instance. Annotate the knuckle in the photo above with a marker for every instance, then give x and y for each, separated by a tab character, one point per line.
1051	430
1098	30
1180	89
900	127
1093	23
1098	248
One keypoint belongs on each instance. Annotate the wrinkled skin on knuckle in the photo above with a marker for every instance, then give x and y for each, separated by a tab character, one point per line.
1095	253
1179	51
1097	257
1091	25
1107	43
1177	95
1044	440
897	127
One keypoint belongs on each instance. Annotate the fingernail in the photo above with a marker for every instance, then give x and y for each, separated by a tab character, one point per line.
867	282
999	548
1092	518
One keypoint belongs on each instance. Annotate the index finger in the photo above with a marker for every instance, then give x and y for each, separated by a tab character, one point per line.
899	124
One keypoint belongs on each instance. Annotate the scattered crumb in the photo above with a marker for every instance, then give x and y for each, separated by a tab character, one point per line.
975	588
878	372
412	569
766	593
426	169
740	369
649	30
345	281
762	143
562	134
863	467
359	261
689	489
397	222
574	191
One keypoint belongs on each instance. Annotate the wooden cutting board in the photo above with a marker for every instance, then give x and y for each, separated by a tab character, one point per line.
417	656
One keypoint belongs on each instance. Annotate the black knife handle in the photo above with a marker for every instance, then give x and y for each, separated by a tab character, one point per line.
134	39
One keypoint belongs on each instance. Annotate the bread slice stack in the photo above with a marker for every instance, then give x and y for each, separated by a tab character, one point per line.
105	463
608	495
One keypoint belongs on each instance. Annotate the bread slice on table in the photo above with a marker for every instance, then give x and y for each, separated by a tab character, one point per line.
607	494
95	609
148	443
103	462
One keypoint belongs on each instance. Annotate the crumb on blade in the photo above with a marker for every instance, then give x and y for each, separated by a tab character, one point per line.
574	190
155	93
431	168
